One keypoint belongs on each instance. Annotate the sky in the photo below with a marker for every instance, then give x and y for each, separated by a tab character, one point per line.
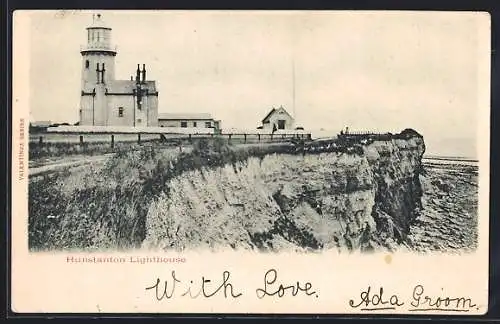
380	71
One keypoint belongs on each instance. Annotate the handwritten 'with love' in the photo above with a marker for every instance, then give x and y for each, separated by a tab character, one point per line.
271	286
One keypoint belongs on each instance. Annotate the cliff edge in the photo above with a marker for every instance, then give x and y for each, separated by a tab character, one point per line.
359	199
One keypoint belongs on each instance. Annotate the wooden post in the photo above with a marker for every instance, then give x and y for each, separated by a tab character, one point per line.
229	135
190	139
112	141
258	135
139	138
272	137
245	136
40	140
81	143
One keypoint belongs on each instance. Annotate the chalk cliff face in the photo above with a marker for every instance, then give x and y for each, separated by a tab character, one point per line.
329	200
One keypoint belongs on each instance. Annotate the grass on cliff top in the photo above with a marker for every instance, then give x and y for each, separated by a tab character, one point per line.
106	208
62	149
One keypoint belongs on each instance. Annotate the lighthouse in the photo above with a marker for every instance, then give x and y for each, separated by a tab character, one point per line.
104	100
98	55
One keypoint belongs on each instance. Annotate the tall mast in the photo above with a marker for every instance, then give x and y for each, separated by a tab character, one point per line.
294	45
293	86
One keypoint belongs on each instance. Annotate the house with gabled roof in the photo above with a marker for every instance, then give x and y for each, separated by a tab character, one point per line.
277	119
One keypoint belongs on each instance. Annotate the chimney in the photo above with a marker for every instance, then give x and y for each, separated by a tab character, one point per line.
144	73
102	73
98	73
138	74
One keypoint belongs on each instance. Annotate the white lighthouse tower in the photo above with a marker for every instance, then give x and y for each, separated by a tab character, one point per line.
106	101
98	69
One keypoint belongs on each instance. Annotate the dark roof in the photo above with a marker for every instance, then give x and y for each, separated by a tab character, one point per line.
268	115
272	112
128	86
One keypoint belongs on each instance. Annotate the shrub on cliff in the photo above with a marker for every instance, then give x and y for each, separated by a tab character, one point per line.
407	133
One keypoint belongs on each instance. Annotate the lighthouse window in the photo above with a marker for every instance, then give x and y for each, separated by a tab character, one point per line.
120	111
87	64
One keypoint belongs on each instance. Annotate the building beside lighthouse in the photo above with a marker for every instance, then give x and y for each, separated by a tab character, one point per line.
106	101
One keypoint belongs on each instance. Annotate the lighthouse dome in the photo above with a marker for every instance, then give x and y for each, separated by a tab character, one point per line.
98	22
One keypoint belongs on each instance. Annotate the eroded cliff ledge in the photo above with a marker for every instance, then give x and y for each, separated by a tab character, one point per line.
364	198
